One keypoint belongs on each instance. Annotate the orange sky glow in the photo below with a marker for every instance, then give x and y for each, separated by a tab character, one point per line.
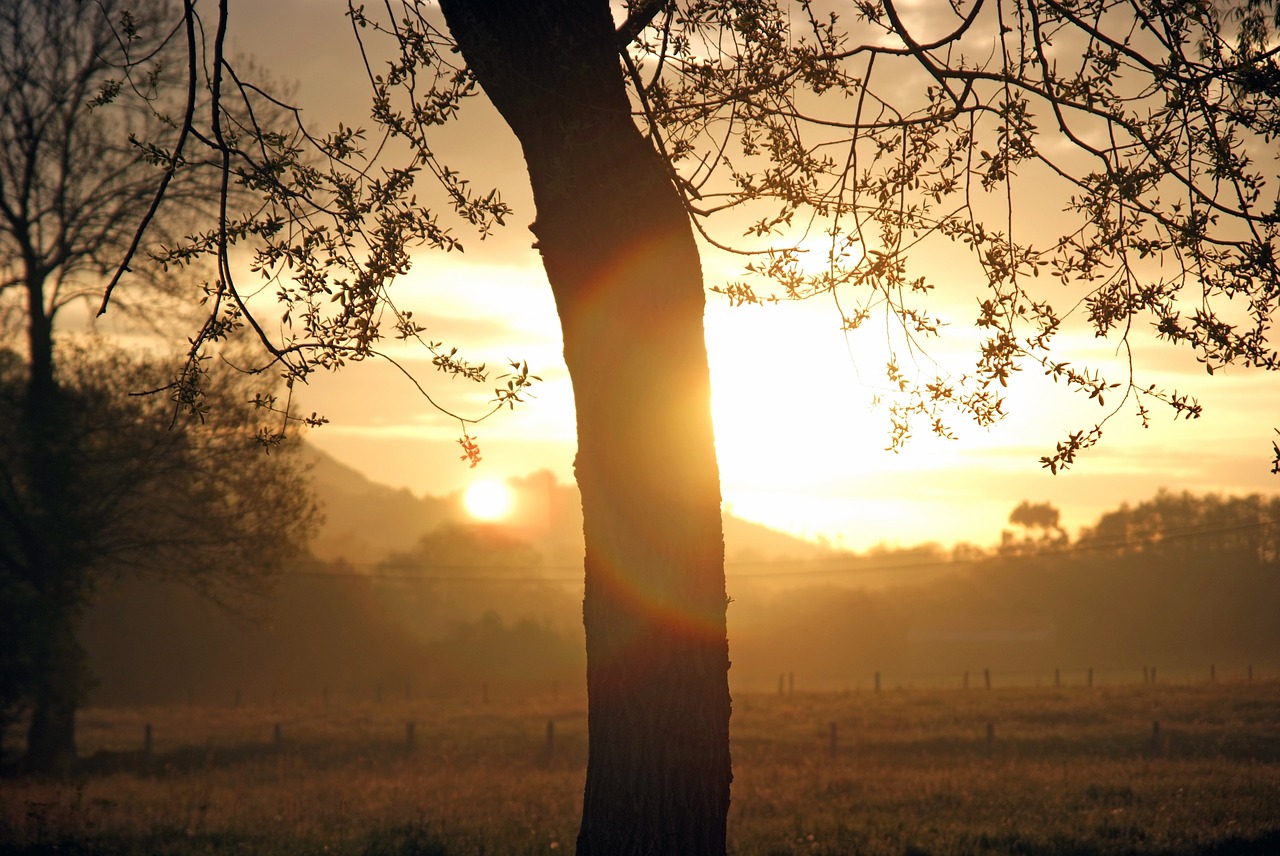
801	445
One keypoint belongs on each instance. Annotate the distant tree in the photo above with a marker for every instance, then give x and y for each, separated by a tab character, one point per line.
1041	528
144	492
875	137
1180	523
87	100
82	85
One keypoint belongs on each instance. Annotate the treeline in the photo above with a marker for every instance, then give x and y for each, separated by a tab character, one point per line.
435	619
1177	580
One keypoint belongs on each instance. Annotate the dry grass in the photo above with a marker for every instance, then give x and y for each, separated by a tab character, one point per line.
1070	771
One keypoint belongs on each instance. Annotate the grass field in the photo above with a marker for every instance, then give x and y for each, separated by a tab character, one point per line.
1039	772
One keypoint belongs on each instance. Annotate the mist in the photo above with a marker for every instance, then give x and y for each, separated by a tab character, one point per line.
404	597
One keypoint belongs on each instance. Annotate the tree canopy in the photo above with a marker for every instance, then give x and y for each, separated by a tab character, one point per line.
882	157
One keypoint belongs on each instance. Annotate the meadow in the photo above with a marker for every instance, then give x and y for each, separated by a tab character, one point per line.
1048	771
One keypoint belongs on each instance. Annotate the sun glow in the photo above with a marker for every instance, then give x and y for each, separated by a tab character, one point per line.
488	500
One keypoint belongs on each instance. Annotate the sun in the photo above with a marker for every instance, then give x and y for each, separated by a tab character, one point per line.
488	500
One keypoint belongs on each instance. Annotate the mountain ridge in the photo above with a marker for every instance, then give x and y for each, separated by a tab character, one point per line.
366	521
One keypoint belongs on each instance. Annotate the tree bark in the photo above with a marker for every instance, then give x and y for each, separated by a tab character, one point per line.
622	262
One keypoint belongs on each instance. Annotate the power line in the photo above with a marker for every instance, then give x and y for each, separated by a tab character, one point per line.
847	565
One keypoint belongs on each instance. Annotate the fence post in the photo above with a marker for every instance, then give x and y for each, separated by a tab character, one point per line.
1213	673
986	677
277	738
877	682
551	739
1057	678
966	679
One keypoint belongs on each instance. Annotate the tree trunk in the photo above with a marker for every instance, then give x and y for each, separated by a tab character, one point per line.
622	262
51	736
55	570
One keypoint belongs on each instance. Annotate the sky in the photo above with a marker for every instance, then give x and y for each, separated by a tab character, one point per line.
801	447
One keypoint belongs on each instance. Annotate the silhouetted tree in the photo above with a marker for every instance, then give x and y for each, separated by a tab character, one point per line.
880	136
1041	528
85	96
1243	527
141	492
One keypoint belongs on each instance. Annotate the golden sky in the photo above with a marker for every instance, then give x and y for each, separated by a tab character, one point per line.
801	448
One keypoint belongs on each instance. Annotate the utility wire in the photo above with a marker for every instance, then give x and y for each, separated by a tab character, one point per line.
847	565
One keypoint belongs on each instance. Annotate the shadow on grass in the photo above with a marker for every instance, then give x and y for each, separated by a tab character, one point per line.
1266	844
415	840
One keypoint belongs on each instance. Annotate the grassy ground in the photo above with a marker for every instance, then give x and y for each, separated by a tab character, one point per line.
913	772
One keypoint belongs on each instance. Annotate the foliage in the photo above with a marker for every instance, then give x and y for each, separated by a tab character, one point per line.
156	493
856	148
1148	124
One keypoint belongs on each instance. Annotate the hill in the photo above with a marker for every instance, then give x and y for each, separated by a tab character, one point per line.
366	521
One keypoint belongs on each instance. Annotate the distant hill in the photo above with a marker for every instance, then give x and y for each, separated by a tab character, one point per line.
365	521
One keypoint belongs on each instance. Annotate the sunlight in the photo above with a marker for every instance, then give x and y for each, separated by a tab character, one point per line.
488	500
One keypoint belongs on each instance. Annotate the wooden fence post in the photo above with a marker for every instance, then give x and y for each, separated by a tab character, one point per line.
986	677
877	682
1057	677
1091	677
